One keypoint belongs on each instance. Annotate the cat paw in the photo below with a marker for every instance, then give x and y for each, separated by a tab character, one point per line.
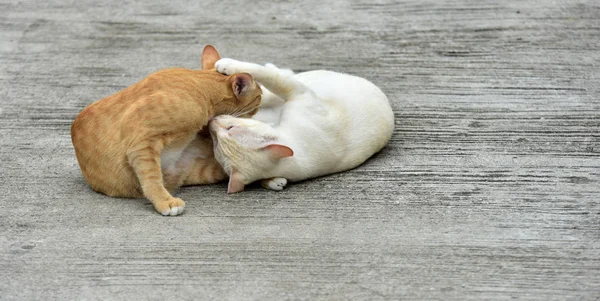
227	66
172	206
274	183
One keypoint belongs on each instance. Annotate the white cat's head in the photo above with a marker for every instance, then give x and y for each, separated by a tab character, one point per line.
247	149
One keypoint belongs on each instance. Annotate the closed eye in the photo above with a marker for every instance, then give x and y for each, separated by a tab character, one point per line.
229	127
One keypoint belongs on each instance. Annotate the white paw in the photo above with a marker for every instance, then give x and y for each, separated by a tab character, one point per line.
173	211
170	207
276	183
228	66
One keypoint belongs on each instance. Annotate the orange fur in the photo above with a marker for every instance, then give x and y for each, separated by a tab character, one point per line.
118	140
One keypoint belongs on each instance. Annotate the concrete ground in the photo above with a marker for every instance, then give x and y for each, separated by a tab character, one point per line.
488	190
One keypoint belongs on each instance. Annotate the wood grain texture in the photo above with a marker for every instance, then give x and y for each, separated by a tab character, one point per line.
488	190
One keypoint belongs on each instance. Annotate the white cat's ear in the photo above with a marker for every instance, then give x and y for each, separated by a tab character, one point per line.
241	84
278	151
236	182
209	57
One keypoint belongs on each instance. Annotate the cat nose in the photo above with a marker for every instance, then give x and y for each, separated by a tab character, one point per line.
213	126
217	123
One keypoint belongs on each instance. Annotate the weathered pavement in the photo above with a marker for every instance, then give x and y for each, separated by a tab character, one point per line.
489	189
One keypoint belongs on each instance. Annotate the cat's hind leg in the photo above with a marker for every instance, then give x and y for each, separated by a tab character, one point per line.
274	183
198	163
205	171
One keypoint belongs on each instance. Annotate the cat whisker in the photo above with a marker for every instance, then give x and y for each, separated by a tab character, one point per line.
242	113
236	111
229	112
250	109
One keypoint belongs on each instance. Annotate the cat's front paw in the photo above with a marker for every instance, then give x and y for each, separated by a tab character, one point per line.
172	206
274	183
228	66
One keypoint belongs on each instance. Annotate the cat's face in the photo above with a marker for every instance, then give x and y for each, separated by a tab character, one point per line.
240	95
247	149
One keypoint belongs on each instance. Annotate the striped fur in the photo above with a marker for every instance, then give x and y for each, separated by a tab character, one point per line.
148	139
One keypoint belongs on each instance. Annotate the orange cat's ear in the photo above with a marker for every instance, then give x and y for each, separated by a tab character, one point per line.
236	182
278	151
209	57
242	83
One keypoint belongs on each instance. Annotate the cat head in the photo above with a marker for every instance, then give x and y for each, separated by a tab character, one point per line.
247	149
240	96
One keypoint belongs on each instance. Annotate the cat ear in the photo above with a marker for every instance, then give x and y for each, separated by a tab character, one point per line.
278	151
236	183
242	83
209	57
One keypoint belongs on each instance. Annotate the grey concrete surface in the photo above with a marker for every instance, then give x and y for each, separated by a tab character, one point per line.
488	190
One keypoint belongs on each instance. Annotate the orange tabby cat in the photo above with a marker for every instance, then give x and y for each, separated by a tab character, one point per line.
146	140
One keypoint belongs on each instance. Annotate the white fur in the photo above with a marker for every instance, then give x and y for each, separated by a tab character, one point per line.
275	183
177	158
173	211
169	158
332	122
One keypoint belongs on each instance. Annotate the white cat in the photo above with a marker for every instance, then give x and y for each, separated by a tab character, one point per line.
310	124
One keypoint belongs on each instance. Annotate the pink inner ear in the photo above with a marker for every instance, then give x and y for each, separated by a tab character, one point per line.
236	184
209	57
242	83
279	151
